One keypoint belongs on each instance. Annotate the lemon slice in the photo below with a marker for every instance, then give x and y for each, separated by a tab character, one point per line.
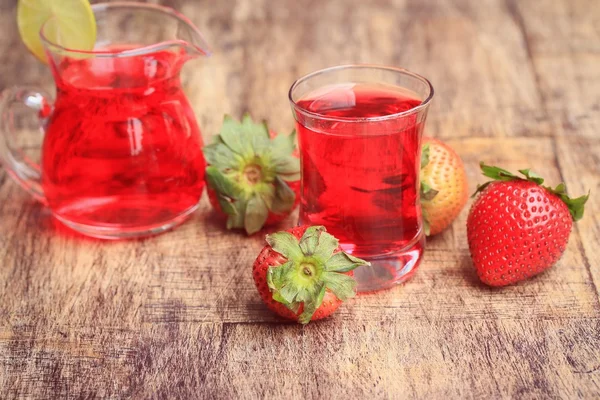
73	25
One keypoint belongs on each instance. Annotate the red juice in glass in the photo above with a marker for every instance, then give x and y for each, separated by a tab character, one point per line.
122	148
360	151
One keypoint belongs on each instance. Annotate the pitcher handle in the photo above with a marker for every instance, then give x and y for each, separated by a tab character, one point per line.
27	173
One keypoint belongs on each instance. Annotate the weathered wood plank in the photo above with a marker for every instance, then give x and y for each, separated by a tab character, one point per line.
466	359
455	359
580	166
564	42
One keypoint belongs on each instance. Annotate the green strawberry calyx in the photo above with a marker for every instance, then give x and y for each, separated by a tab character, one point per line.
249	172
575	205
427	192
312	268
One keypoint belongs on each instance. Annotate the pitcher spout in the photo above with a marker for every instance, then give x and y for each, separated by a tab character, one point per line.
169	28
190	38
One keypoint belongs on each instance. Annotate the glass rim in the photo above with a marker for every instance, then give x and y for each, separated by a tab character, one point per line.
403	71
135	51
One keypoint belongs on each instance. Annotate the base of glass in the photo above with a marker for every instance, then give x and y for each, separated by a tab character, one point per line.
389	270
117	232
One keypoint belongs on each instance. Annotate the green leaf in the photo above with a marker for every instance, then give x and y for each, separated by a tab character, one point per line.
325	248
532	176
282	146
226	205
236	220
425	155
288	168
254	129
224	158
247	120
497	173
274	277
294	307
344	262
210	153
256	214
340	284
278	298
561	188
311	306
291	177
290	292
220	183
268	194
304	294
285	244
277	280
310	239
257	134
259	144
576	206
481	188
284	197
426	224
233	136
287	165
427	192
217	140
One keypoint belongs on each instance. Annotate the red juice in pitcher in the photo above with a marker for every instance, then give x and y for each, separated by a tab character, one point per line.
360	173
122	147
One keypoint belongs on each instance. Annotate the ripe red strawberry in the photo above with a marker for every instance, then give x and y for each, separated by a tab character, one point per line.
253	177
518	228
303	274
444	189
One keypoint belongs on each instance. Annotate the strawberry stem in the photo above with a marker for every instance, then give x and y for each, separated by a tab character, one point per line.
249	172
312	268
253	174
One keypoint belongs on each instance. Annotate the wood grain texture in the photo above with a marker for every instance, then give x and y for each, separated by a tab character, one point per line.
564	42
177	316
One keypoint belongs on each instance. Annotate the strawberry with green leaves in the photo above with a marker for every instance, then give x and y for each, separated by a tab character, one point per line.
517	227
302	274
252	178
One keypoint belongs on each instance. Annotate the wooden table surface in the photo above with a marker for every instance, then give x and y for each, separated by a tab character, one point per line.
177	316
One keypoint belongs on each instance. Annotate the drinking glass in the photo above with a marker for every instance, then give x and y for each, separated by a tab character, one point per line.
359	130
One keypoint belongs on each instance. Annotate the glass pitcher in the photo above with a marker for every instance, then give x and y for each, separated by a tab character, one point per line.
122	150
